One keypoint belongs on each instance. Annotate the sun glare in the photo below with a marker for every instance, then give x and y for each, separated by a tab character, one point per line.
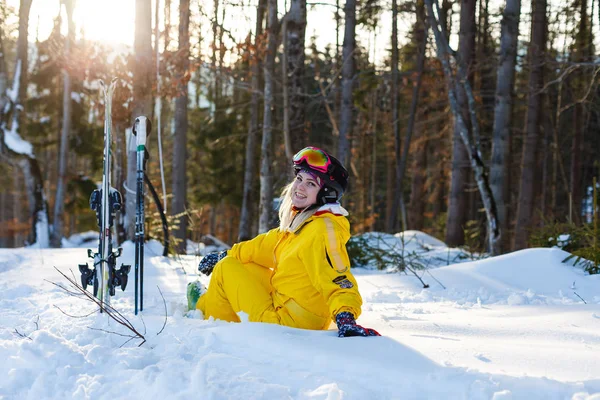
111	22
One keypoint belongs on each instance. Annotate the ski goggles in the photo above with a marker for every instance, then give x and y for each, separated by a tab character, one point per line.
315	158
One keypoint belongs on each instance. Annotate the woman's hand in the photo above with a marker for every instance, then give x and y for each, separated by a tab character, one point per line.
347	326
208	262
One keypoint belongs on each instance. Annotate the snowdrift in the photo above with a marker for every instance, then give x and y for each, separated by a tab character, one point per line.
509	327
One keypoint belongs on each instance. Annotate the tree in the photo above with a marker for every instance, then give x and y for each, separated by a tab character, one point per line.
457	202
266	178
247	203
529	171
181	126
142	99
581	55
294	39
393	223
421	38
499	177
57	230
469	134
13	148
348	72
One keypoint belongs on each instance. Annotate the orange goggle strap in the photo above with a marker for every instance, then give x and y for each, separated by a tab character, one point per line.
315	158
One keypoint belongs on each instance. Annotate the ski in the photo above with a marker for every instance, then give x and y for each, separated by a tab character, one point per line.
141	129
106	201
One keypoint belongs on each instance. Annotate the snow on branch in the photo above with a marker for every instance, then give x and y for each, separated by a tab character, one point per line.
13	93
16	143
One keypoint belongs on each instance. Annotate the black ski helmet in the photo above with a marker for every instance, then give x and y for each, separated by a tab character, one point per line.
335	180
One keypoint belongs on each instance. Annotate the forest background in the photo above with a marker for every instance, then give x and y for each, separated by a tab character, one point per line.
491	145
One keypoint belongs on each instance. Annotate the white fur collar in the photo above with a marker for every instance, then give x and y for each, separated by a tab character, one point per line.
334	208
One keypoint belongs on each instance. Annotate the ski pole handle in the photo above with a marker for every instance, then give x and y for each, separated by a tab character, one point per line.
141	129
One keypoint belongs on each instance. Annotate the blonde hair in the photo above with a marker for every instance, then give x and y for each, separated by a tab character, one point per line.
290	219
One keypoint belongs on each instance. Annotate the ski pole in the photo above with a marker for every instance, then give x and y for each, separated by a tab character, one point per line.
141	129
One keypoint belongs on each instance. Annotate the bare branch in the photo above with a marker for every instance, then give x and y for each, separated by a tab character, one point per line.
110	310
425	285
165	304
585	96
445	55
75	316
22	335
580	297
69	292
434	278
112	332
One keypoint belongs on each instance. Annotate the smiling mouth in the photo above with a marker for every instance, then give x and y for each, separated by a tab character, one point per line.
300	195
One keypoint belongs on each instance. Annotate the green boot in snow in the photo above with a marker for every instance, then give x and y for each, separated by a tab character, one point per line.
194	291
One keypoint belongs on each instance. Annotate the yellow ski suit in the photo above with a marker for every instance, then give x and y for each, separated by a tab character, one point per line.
300	279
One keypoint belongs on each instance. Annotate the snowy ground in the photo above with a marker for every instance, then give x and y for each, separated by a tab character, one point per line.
511	327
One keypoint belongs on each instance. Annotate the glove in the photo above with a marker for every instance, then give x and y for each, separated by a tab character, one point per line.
208	262
347	326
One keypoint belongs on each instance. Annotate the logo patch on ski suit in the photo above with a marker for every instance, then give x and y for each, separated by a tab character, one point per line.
338	262
343	282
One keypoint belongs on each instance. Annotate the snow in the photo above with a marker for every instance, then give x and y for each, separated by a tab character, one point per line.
208	244
386	251
82	240
76	97
12	139
16	143
42	231
13	93
508	327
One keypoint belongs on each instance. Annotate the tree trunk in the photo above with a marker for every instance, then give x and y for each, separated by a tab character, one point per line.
21	154
266	178
421	37
373	186
181	126
390	181
294	49
248	203
446	17
142	98
217	73
336	75
393	223
529	173
457	206
22	55
285	94
499	175
581	55
36	199
57	230
468	133
417	193
348	71
158	109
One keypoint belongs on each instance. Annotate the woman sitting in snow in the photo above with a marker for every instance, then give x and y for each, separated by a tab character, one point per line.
295	275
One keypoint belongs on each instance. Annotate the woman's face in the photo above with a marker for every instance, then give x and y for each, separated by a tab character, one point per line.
304	190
